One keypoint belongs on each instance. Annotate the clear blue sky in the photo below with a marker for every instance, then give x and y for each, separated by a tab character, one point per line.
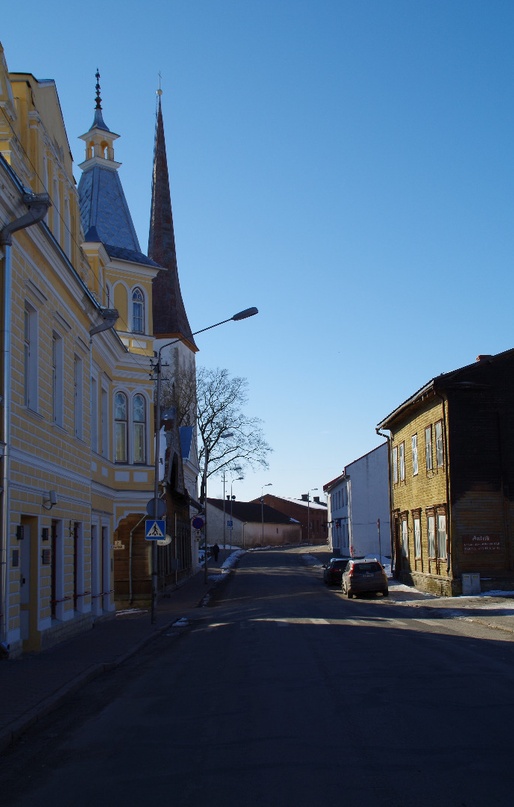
344	165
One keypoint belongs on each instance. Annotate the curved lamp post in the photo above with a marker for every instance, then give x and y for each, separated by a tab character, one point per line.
247	312
231	507
262	510
308	515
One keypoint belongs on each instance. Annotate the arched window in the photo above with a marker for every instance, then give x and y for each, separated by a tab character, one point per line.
139	426
138	311
121	427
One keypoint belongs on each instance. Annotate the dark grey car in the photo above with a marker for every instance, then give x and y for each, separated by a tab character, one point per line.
361	576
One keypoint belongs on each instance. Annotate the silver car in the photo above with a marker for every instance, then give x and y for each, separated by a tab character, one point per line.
361	576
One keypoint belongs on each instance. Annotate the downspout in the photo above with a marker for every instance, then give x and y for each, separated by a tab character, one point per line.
37	208
390	493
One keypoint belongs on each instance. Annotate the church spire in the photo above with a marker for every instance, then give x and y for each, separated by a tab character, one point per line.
169	314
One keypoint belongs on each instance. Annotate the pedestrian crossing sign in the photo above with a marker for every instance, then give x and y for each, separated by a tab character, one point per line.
155	529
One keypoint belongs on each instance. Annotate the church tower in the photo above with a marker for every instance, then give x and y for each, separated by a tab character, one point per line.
169	314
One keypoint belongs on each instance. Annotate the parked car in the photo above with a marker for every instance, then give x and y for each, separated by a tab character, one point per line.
364	575
333	570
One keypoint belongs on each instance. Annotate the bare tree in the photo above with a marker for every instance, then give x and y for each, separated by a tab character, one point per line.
228	438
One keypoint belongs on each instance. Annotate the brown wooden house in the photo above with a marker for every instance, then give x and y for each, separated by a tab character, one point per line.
452	480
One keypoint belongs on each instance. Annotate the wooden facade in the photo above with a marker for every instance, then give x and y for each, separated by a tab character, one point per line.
452	480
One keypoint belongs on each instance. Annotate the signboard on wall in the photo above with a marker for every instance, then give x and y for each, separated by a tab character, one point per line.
482	543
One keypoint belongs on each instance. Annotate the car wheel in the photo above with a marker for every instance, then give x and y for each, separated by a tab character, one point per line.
385	592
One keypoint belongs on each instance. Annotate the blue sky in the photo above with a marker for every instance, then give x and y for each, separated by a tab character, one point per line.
344	165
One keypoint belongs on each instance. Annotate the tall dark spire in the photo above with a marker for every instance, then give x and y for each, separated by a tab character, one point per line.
169	314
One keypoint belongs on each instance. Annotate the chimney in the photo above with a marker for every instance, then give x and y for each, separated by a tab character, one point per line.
484	357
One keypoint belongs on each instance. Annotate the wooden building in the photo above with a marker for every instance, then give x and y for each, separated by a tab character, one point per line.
451	467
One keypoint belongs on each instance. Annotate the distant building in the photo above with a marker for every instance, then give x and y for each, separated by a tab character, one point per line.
452	480
249	524
358	506
311	514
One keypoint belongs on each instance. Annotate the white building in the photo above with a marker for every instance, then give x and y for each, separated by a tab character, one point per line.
358	507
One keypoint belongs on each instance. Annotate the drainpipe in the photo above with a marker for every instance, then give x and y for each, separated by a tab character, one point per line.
37	207
390	492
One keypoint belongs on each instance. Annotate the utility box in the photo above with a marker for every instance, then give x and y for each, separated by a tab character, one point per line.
471	584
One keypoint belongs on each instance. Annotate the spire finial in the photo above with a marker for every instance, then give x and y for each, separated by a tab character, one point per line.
98	104
159	91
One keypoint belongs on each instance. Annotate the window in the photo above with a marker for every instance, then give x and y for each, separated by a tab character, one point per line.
30	357
431	535
139	426
428	448
401	456
439	452
414	454
120	427
57	379
94	414
79	396
395	465
441	535
417	536
405	538
138	311
104	428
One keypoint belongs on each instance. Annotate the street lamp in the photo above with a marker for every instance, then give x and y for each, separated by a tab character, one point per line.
308	515
237	468
231	506
157	367
262	510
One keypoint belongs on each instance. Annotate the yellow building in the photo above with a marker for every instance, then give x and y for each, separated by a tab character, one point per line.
76	346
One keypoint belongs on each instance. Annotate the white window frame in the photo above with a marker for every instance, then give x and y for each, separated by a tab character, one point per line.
139	430
441	536
417	535
414	442
78	384
94	414
138	310
405	538
395	464
31	357
57	379
439	444
401	461
121	425
431	535
105	422
429	464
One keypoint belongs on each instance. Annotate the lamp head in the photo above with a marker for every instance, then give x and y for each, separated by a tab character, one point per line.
248	312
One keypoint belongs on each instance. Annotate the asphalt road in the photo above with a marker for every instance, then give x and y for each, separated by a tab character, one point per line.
285	694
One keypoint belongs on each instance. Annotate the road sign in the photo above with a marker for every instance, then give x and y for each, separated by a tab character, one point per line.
155	530
156	508
198	523
230	523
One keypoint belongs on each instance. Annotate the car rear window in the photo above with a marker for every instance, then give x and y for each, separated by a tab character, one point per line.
367	567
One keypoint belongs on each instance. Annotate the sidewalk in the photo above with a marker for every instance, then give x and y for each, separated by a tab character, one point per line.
494	609
33	685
